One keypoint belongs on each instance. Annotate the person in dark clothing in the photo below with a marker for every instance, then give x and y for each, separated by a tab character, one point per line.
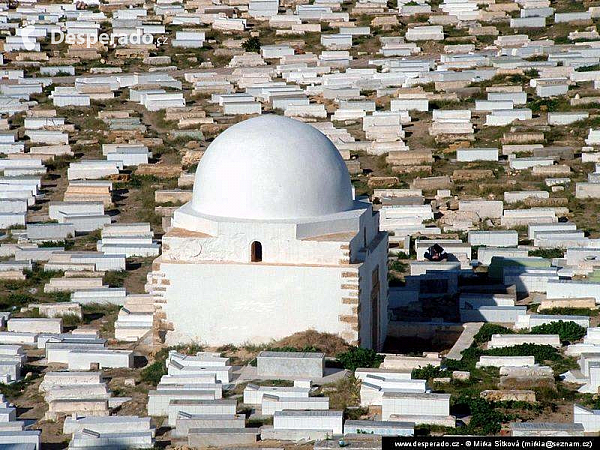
436	253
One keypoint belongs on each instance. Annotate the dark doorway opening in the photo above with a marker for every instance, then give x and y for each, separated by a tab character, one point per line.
256	252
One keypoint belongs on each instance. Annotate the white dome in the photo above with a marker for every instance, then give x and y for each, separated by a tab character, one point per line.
271	167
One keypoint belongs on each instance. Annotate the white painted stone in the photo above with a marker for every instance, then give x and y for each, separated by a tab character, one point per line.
508	340
37	325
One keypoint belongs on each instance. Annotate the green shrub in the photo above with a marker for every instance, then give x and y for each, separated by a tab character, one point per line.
355	413
458	364
20	299
487	330
257	422
359	357
571	312
588	68
71	320
154	372
547	253
485	419
33	313
252	44
186	349
428	372
67	245
12	285
541	353
549	104
61	297
94	311
343	394
115	278
398	266
471	355
39	276
227	348
568	331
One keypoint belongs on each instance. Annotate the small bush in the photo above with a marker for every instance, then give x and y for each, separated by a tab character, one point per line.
39	276
398	266
94	311
485	419
343	394
71	320
588	68
428	372
541	353
355	413
227	348
571	312
33	313
188	349
568	331
257	422
487	330
549	104
359	357
252	44
67	245
154	372
471	355
115	278
547	253
20	299
61	297
459	364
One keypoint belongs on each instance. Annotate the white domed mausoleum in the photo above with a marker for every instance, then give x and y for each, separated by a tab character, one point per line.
272	243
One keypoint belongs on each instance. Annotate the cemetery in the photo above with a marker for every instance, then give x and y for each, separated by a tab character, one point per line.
293	223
